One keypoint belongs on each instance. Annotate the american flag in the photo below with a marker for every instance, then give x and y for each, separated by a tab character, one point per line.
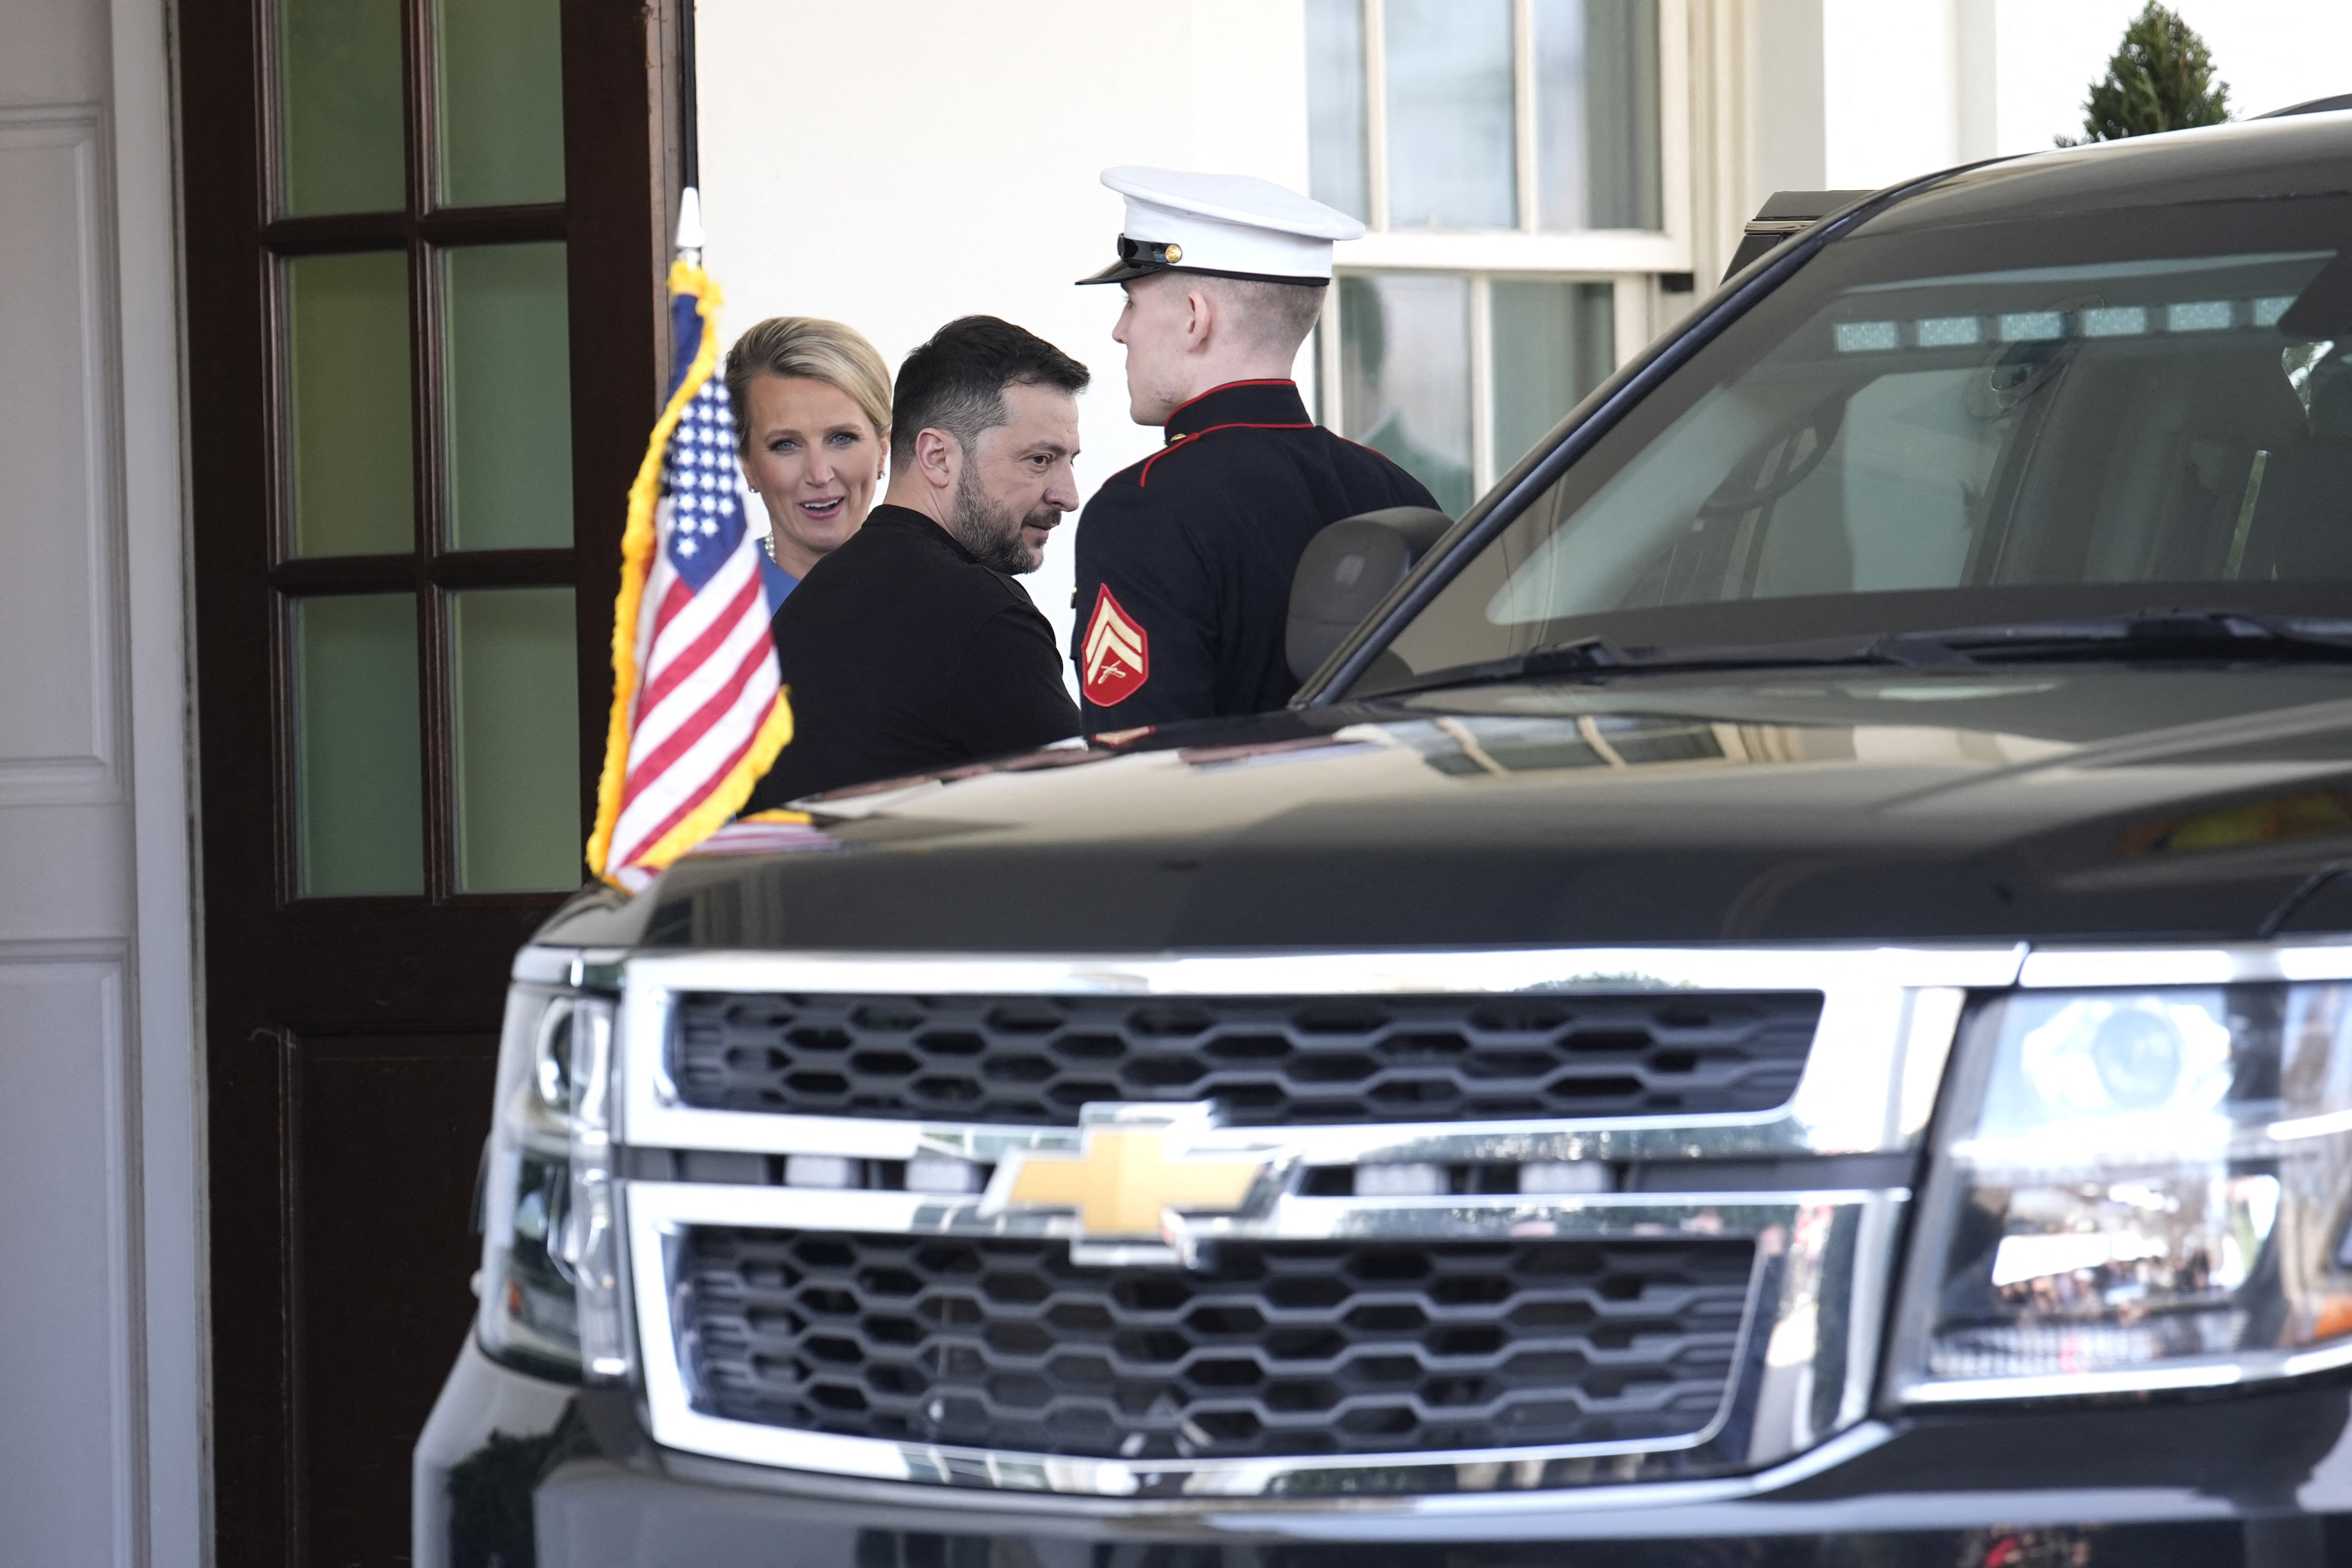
698	710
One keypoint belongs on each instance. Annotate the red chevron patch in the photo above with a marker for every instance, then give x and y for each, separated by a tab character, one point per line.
1117	653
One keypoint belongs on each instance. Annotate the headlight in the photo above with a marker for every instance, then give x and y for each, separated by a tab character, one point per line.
550	1251
2136	1189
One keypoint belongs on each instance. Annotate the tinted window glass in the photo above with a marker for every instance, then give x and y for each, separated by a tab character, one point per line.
339	91
507	353
501	101
347	411
359	771
1936	428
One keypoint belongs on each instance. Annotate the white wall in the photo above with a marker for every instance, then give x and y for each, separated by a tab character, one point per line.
1889	89
896	163
1786	134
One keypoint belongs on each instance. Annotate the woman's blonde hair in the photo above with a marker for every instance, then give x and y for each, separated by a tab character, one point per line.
813	350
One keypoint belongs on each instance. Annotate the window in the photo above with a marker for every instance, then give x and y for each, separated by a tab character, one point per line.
1540	116
1454	376
425	563
1511	159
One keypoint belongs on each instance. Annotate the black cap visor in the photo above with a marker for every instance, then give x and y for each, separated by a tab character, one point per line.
1122	270
1142	258
1138	259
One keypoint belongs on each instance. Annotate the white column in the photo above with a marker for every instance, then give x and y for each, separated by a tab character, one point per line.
1890	94
1787	127
101	1349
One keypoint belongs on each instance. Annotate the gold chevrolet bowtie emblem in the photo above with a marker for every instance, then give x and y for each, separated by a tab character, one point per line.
1122	1179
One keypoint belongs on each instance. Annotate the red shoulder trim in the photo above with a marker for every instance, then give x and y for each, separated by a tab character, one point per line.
1144	477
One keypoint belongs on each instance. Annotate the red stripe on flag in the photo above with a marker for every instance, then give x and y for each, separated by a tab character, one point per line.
676	743
659	759
675	818
688	659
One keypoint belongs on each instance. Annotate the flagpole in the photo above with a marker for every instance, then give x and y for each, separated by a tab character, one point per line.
654	809
690	226
650	809
689	138
689	143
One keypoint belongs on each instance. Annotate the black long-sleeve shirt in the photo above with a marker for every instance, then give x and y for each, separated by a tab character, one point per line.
903	655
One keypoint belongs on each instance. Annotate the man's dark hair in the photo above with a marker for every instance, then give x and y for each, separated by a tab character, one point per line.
956	382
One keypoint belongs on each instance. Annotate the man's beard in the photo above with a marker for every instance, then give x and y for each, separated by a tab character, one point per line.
993	533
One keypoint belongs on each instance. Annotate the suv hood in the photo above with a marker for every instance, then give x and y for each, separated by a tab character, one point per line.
2078	804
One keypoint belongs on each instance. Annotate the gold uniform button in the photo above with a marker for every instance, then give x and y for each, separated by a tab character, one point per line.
1175	253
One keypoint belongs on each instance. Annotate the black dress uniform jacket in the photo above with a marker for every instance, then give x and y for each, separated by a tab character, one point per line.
903	655
1184	561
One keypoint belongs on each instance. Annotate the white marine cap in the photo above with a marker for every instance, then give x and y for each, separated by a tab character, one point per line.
1228	226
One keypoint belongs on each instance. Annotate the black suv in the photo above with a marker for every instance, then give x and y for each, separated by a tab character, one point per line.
1785	998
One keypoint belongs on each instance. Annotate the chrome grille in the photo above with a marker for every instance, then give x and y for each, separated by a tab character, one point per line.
1265	1061
1260	1351
793	1320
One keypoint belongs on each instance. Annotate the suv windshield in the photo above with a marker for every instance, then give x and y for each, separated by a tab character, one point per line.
1961	425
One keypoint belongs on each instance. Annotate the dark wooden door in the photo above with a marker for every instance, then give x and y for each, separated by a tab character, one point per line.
425	251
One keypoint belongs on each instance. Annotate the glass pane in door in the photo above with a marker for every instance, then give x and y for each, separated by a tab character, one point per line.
510	396
1553	343
1405	374
358	771
339	106
517	716
347	373
501	99
1452	142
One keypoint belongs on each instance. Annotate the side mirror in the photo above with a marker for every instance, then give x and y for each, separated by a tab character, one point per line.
1347	569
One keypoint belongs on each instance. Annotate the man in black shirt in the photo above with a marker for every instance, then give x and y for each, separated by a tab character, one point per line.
909	649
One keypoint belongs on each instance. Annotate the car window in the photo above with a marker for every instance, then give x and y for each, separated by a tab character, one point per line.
1905	437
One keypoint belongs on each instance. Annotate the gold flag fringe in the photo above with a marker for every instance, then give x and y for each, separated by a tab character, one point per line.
637	545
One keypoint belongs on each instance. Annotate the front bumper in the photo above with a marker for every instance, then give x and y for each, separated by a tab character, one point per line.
2227	1481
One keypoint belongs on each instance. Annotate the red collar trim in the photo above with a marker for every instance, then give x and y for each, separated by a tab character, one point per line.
1144	477
1268	381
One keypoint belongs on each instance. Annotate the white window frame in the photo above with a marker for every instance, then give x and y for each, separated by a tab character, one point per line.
1587	255
1630	332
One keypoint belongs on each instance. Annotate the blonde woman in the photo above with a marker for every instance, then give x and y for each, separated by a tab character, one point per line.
813	432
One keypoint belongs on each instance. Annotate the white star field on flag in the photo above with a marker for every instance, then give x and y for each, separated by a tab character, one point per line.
706	513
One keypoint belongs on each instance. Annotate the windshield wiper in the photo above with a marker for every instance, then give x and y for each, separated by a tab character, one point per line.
2149	634
2228	635
1587	656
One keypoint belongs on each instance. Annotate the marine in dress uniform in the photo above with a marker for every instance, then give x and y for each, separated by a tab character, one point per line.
1184	561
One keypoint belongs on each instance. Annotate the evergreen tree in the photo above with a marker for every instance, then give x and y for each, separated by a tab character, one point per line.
2161	78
